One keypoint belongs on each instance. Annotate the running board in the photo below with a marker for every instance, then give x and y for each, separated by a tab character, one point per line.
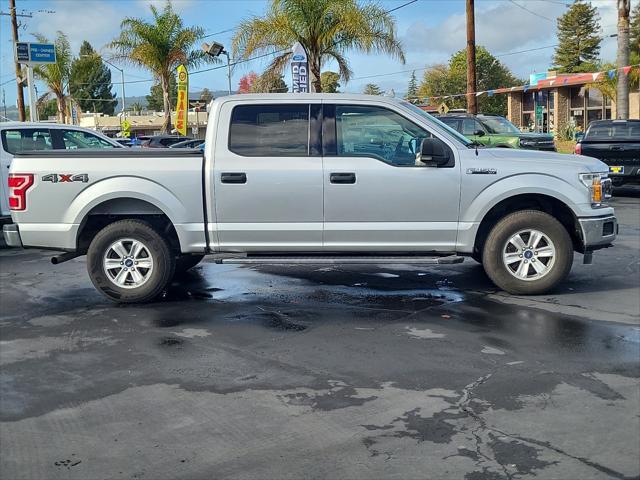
342	260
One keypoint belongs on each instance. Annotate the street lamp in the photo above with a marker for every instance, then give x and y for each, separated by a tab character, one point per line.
215	50
121	75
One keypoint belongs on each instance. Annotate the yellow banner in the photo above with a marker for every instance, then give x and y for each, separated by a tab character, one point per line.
183	100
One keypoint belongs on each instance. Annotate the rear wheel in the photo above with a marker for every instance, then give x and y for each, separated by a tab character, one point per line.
130	262
528	252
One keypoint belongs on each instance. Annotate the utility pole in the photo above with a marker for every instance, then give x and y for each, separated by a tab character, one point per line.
472	100
622	89
14	25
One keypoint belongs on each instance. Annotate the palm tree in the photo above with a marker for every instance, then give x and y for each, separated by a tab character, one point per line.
327	29
160	46
56	75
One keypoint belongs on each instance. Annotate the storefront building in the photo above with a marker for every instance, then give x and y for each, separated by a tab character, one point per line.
562	103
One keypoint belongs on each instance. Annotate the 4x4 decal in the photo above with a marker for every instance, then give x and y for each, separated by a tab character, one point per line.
65	178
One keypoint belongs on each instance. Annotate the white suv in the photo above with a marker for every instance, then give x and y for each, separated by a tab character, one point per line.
18	137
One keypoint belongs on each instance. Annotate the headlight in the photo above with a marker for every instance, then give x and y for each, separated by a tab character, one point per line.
599	186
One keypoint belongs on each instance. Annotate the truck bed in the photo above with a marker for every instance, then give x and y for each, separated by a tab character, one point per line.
69	184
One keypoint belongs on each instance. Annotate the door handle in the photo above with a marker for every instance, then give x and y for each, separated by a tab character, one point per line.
233	177
342	178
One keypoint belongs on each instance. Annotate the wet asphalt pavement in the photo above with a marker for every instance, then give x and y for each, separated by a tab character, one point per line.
290	372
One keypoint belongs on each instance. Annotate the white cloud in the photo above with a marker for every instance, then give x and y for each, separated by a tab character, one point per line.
98	22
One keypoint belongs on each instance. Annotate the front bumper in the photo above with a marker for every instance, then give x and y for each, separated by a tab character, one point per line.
11	235
598	232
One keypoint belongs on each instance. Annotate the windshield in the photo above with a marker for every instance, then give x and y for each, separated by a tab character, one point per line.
461	138
499	125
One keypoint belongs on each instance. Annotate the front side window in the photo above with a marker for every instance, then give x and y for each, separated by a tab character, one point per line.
26	139
270	130
470	126
379	133
76	139
499	125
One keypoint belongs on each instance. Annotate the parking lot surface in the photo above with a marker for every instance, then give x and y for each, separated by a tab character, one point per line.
291	372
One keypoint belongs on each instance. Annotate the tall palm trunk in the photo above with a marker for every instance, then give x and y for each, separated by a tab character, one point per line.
314	66
166	125
62	107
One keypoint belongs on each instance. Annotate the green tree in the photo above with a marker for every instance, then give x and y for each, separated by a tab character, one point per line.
155	99
90	82
56	75
451	79
136	108
206	96
372	89
160	46
634	33
330	82
269	82
578	39
327	29
608	85
412	89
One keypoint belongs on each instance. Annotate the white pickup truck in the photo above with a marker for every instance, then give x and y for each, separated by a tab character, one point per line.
312	179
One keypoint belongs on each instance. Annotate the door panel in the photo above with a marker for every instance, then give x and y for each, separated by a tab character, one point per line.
267	182
395	204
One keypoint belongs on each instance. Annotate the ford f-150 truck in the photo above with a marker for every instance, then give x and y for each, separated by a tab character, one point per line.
312	179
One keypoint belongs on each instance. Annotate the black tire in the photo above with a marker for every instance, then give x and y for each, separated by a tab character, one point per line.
185	262
162	257
505	229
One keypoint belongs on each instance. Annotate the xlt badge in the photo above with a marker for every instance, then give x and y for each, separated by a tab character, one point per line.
481	171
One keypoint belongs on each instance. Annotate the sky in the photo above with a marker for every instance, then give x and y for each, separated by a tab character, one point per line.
430	31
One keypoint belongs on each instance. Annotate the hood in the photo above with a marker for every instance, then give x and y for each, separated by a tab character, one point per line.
579	162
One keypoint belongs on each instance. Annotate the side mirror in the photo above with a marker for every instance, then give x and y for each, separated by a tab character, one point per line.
479	133
433	152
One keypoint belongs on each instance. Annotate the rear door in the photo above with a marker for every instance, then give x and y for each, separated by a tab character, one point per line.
378	197
268	176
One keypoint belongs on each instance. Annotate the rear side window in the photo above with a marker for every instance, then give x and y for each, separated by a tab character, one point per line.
26	139
75	139
270	130
452	122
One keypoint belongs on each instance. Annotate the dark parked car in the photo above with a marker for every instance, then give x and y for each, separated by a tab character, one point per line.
163	141
616	143
195	143
497	131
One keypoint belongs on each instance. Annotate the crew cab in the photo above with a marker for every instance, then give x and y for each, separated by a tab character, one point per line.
616	143
312	179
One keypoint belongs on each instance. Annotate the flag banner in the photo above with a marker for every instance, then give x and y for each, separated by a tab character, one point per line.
626	70
299	69
611	73
183	100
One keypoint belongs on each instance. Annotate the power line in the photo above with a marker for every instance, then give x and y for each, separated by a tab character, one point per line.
531	11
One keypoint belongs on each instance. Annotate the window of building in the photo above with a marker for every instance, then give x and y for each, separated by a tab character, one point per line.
270	130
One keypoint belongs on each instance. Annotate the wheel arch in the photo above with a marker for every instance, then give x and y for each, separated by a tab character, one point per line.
116	209
529	201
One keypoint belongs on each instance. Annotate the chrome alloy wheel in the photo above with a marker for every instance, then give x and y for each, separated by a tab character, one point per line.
128	263
529	255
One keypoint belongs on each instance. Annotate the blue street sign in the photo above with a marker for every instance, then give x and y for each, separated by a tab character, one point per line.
42	53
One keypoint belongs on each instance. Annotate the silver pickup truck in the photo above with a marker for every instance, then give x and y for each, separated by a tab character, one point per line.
312	179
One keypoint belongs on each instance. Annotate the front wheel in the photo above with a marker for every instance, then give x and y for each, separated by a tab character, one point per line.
130	262
528	252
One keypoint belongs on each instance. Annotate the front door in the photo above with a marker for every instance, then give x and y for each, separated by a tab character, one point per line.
268	177
377	196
